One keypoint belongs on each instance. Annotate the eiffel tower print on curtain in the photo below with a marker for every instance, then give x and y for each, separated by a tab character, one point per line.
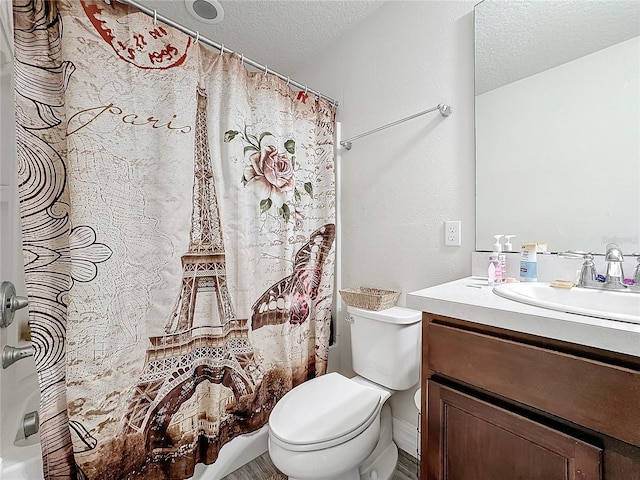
195	347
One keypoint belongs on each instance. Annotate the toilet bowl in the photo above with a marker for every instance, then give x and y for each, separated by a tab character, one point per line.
327	427
339	428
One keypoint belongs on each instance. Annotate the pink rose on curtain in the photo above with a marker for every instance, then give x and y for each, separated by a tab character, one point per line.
272	172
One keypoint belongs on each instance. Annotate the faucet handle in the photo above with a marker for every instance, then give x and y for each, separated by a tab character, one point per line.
588	274
9	303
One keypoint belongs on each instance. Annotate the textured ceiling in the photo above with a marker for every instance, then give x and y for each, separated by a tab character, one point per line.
515	39
282	34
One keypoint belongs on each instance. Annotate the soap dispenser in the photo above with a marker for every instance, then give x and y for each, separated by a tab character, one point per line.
496	272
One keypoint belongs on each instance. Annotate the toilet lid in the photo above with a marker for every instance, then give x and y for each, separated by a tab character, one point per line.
322	409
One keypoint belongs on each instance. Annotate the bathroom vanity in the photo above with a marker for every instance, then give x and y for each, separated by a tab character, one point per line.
516	391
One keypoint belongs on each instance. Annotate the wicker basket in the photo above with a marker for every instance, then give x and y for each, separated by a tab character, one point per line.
370	298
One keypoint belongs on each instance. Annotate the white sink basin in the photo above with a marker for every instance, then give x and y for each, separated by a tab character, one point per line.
611	305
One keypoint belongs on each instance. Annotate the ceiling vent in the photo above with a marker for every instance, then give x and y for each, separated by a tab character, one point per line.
207	11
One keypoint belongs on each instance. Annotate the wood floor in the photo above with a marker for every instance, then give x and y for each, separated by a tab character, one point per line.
262	469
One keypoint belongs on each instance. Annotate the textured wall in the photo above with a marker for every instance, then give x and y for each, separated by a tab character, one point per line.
400	185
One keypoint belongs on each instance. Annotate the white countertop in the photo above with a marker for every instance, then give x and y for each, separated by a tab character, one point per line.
471	299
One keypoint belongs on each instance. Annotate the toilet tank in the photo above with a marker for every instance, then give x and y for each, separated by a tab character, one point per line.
385	345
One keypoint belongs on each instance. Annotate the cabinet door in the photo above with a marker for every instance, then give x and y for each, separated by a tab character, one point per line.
469	439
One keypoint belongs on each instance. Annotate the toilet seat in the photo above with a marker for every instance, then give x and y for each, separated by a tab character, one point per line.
342	409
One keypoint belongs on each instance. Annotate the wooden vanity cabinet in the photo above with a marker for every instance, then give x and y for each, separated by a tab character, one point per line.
501	405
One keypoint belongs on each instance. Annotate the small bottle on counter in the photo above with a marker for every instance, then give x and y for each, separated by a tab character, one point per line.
492	270
529	262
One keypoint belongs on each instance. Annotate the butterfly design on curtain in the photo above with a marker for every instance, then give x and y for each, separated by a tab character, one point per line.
291	298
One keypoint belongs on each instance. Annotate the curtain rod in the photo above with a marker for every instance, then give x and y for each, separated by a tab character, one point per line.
195	34
445	111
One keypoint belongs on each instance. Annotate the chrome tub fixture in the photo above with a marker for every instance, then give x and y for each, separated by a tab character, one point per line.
11	355
10	302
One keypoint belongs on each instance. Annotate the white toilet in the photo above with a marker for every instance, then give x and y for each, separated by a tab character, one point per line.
336	428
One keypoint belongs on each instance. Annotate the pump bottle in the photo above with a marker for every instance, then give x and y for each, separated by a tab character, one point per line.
497	263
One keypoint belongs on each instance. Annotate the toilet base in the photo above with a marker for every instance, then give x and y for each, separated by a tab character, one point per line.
382	462
384	467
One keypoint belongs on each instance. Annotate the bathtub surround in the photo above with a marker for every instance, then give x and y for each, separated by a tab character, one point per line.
178	230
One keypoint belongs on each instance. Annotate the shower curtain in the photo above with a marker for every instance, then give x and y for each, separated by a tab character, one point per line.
178	229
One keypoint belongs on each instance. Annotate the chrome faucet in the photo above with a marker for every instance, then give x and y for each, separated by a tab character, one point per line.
614	277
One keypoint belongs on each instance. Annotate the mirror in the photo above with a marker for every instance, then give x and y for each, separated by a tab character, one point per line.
558	123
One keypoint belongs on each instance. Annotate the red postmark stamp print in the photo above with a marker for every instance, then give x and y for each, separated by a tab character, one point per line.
143	44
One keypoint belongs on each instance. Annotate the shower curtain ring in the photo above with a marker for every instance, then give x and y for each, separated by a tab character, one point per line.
197	38
306	89
266	70
155	17
221	49
242	59
287	81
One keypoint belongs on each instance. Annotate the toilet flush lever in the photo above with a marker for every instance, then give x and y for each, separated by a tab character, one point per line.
10	302
350	320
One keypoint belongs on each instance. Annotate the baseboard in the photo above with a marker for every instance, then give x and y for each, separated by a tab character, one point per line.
406	436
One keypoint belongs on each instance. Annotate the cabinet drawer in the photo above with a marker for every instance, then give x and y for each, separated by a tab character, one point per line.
602	397
473	440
